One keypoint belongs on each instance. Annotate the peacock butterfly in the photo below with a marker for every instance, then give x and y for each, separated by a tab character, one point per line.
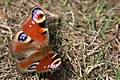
31	43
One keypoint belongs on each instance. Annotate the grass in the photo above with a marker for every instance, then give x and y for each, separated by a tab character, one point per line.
86	34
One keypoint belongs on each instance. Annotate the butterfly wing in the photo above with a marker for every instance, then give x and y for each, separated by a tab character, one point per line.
18	48
38	34
29	64
21	43
35	27
50	61
41	61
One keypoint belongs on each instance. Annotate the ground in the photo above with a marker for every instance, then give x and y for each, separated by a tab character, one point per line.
85	33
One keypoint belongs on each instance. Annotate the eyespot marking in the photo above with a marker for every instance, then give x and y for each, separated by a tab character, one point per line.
22	37
55	64
38	15
33	66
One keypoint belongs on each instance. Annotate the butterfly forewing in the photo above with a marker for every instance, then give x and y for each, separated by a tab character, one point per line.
21	43
35	27
32	29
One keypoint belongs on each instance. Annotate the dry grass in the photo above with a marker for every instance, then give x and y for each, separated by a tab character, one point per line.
86	34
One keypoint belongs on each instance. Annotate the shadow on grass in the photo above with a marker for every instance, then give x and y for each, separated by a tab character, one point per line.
63	73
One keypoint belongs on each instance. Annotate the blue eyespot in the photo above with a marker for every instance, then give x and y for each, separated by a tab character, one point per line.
36	10
34	65
22	37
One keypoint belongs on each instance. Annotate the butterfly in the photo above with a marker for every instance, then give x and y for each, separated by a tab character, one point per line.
31	44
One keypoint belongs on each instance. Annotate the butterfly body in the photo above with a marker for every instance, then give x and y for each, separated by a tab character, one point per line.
32	44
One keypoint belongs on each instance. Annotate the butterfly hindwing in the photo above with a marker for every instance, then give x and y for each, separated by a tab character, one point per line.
41	61
29	64
49	62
